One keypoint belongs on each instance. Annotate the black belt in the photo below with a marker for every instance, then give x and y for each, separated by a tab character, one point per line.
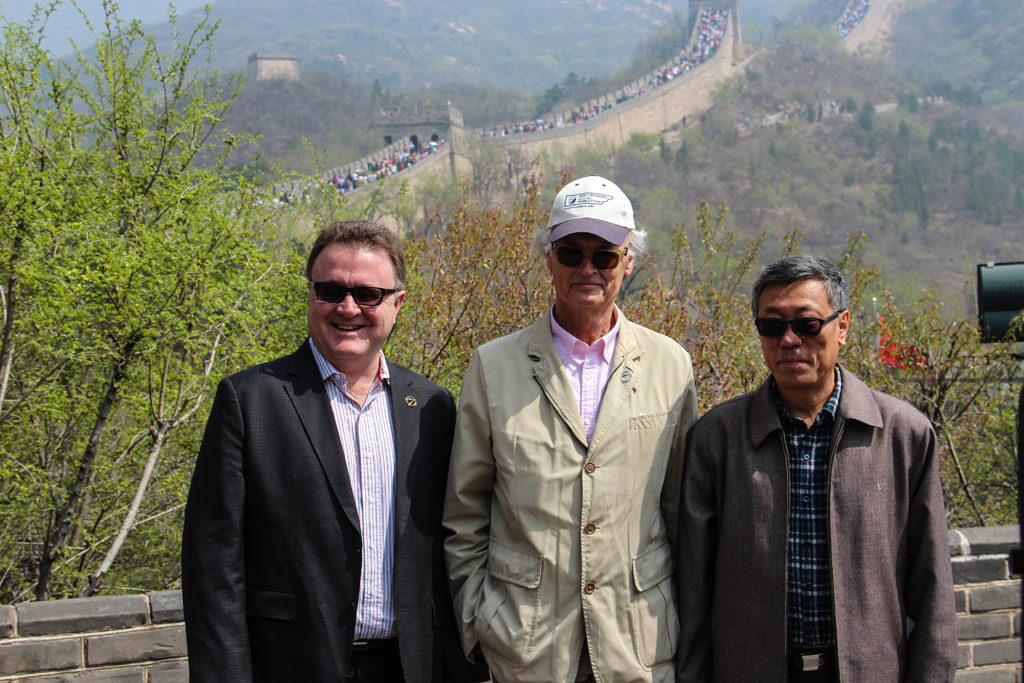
811	659
363	649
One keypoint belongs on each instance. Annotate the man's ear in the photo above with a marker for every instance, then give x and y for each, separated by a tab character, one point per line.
843	323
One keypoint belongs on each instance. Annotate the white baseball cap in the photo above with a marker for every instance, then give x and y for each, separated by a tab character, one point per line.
594	205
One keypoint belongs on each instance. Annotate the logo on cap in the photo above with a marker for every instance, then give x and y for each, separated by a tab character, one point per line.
587	199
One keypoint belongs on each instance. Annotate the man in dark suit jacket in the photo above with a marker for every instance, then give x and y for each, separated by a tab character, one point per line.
312	540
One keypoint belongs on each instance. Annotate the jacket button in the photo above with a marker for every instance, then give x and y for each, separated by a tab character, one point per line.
590	527
589	588
590	467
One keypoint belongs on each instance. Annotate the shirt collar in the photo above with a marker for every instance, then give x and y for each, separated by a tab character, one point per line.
831	405
327	370
569	346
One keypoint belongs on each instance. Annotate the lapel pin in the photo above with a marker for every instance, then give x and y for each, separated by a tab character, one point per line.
626	376
410	401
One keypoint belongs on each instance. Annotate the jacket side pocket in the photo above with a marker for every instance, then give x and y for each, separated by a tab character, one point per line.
507	617
654	617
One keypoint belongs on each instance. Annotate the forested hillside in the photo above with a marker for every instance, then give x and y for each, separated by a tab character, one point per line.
915	165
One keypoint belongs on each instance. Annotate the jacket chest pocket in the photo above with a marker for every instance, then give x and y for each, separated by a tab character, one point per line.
649	439
653	433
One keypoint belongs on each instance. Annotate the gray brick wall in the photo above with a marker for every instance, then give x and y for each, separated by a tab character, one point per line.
113	639
141	638
988	605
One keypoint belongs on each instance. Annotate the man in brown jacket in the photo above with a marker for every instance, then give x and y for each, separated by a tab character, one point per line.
812	530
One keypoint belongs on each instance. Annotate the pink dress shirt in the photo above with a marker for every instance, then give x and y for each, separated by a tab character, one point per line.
588	367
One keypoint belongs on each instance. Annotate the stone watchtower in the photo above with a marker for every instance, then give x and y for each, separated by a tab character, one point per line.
422	125
733	6
419	124
271	66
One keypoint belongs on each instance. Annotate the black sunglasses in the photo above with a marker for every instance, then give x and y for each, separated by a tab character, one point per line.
335	293
803	327
603	259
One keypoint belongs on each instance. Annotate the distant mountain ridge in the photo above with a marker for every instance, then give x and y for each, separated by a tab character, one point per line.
526	45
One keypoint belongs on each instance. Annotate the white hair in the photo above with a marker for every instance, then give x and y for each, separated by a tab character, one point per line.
637	241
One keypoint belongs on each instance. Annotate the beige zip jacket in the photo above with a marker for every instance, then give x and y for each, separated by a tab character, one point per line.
550	540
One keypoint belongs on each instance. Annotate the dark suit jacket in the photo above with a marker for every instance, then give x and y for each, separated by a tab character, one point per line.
271	544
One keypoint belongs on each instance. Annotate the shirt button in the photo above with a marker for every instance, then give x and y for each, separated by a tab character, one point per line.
807	456
590	527
806	498
589	588
590	467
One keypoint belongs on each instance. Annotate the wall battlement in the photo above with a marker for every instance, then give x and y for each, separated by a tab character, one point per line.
141	638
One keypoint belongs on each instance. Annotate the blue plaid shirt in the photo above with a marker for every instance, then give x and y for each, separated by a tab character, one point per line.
808	582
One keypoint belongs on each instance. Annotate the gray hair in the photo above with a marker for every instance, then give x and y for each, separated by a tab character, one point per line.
803	267
637	241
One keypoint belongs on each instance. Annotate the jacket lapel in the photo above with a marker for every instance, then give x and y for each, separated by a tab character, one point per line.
552	378
313	409
622	382
405	418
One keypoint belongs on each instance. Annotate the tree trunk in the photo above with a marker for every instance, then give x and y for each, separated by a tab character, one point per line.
10	305
159	438
66	514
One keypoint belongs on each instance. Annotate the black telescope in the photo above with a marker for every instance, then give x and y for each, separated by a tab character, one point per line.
1000	301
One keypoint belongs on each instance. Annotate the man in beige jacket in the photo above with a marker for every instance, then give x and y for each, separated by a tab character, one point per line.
564	485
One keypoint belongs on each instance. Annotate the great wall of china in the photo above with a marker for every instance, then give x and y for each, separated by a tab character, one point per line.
656	110
140	638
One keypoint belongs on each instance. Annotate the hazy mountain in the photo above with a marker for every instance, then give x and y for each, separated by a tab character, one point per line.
406	43
528	45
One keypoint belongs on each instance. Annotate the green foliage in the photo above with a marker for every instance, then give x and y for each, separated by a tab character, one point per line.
643	142
131	283
479	279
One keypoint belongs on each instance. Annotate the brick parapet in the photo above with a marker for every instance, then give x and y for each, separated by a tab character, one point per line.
988	604
137	638
141	638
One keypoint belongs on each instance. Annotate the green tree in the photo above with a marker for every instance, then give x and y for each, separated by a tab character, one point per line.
134	289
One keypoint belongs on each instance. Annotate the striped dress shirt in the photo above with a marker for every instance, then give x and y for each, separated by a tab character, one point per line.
368	441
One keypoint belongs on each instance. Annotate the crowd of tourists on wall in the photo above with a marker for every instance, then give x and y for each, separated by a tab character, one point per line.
853	15
378	168
383	166
709	34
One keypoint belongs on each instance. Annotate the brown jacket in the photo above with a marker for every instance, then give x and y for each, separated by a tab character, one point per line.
891	577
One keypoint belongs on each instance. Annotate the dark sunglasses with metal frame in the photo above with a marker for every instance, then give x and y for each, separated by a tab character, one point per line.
803	327
335	293
603	259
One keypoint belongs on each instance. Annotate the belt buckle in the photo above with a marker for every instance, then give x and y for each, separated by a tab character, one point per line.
814	662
